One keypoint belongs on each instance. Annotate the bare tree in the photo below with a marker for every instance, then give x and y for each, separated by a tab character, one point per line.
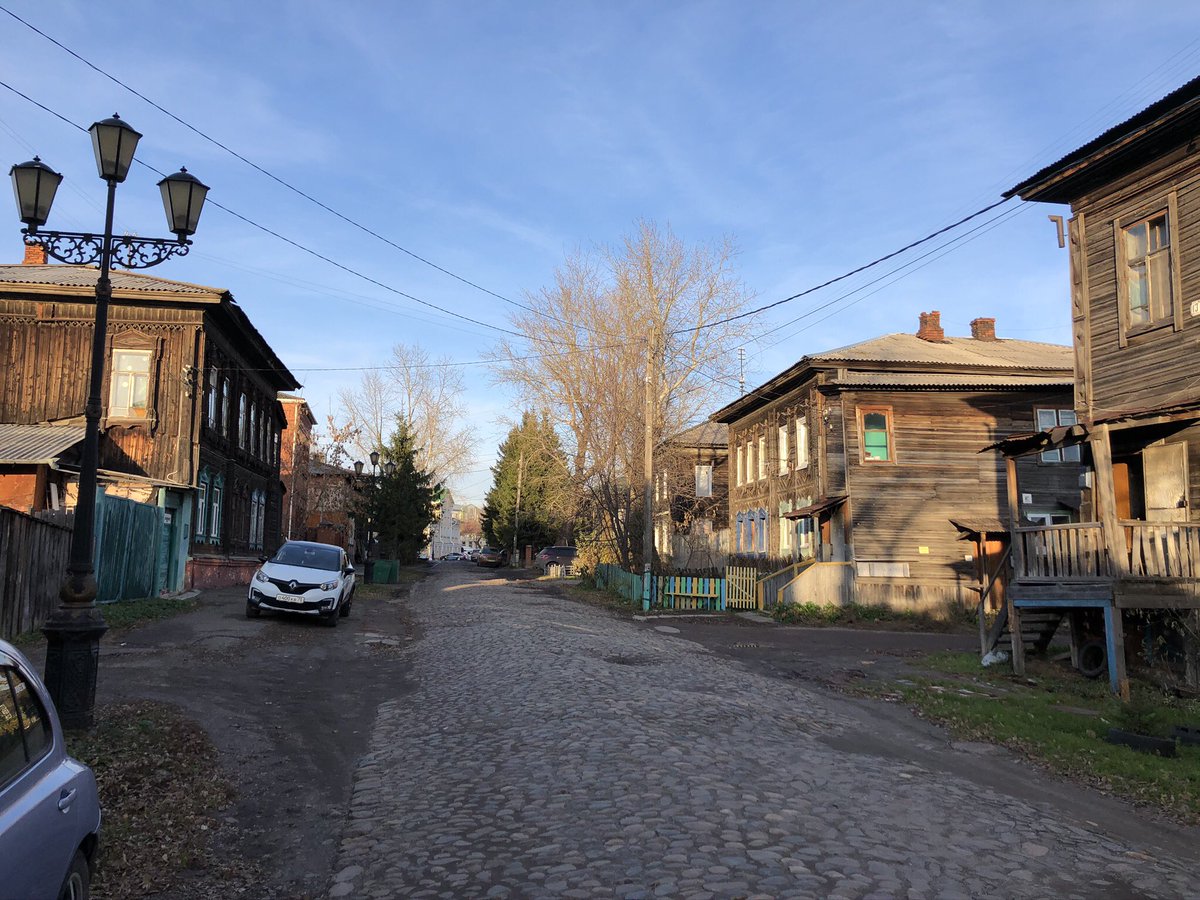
427	394
650	307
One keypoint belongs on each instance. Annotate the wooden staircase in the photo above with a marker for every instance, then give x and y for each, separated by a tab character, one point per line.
1038	628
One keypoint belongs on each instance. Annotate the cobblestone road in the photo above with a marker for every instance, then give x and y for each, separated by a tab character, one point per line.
551	750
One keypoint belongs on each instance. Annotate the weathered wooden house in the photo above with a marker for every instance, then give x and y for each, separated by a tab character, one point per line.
190	417
1134	194
860	458
691	498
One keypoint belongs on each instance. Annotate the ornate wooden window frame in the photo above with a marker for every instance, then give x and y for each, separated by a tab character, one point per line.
138	342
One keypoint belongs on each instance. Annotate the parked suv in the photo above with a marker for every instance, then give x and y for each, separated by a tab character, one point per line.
49	808
305	578
554	556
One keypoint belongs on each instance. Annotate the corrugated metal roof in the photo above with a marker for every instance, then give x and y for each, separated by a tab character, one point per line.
1179	100
964	379
706	434
85	276
954	351
36	444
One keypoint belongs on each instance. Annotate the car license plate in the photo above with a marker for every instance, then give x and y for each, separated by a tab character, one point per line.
290	598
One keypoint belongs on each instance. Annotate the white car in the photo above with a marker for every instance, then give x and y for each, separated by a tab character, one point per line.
305	578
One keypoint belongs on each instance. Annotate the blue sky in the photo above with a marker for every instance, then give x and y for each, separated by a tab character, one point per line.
496	138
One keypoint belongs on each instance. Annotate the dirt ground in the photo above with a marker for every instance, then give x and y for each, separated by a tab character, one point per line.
289	704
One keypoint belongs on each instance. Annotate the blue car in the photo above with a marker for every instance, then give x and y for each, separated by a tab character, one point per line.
49	808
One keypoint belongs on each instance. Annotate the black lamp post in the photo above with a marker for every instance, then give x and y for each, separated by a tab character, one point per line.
73	631
368	563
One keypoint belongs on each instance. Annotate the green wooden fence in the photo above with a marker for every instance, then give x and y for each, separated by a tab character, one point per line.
127	540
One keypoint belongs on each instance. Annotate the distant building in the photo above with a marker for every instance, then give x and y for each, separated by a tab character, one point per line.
470	527
329	507
691	498
444	535
295	448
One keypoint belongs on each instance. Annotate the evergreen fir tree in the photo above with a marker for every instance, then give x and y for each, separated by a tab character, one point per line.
402	506
532	456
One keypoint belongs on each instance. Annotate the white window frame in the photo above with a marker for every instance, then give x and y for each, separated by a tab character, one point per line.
214	520
201	507
784	455
750	466
741	465
213	382
704	480
1049	417
762	457
126	383
802	442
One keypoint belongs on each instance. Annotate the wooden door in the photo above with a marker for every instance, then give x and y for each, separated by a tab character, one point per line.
1165	470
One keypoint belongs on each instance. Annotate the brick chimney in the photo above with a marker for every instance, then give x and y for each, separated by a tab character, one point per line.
983	329
931	327
35	255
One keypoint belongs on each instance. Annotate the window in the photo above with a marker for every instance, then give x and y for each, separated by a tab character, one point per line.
214	517
786	527
1052	418
876	427
129	396
258	517
201	506
24	730
804	538
802	442
704	475
762	457
750	461
253	532
783	449
737	533
762	529
881	569
212	397
225	406
741	465
243	421
254	429
1148	280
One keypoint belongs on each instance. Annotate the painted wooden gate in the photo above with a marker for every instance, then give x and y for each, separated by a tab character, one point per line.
740	583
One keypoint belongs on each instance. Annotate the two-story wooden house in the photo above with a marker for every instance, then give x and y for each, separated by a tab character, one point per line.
190	416
860	458
1134	194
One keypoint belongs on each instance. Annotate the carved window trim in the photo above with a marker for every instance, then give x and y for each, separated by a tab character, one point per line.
1164	206
134	342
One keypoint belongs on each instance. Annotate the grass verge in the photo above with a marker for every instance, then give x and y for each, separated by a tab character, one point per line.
159	786
1059	719
861	616
124	614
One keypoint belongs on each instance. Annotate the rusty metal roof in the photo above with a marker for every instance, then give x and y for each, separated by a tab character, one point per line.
36	444
85	276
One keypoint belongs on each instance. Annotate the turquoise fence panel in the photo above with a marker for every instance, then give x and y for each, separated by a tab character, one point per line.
128	535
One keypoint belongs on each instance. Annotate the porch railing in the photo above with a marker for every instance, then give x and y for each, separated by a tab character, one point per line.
1063	552
1076	552
1163	549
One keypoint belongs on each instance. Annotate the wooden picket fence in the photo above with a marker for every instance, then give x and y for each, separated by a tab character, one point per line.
741	588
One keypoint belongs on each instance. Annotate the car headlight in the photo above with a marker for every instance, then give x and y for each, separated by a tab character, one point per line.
329	585
261	576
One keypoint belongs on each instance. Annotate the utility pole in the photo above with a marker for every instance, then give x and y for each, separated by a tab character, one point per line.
648	486
517	518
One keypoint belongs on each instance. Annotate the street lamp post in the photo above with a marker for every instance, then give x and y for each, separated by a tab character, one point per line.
368	563
73	631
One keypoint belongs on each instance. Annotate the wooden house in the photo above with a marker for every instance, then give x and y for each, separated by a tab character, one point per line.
190	419
691	498
1134	195
860	458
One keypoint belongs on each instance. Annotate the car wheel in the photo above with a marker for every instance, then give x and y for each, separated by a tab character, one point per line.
252	611
77	885
332	619
344	609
